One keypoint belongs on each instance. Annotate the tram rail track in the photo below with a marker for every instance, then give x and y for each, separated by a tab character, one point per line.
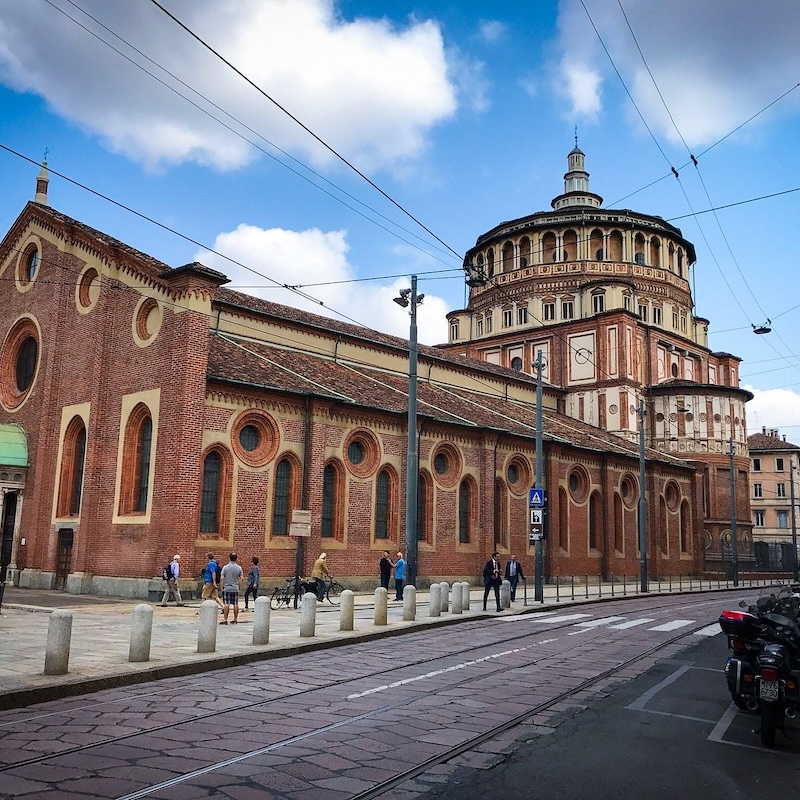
508	637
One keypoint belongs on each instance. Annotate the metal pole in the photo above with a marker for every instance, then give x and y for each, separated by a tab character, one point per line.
539	483
734	538
642	503
412	472
794	519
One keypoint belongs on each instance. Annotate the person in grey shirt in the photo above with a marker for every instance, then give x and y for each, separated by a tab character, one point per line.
231	580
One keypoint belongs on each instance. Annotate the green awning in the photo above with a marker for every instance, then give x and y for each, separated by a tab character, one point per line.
13	446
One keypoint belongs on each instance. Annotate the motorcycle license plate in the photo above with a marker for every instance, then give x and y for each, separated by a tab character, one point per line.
768	690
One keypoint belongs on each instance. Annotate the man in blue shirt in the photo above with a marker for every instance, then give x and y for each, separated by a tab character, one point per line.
399	576
211	581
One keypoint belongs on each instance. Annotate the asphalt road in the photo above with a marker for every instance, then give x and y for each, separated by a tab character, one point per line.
671	733
601	700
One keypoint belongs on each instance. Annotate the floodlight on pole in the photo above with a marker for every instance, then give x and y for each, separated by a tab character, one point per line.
409	298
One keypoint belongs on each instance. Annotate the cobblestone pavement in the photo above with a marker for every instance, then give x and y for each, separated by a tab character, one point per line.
337	722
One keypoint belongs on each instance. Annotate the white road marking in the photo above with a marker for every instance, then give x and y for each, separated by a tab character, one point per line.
631	623
565	618
526	617
709	630
593	623
674	625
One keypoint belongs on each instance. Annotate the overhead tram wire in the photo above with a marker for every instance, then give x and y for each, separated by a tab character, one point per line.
255	133
308	130
674	171
708	196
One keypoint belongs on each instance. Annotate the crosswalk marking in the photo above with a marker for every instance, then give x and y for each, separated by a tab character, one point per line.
631	623
593	623
565	618
709	630
673	625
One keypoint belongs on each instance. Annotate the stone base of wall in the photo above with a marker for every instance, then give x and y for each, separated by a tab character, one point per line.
36	579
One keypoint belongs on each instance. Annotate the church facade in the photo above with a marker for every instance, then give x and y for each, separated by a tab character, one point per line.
605	296
151	410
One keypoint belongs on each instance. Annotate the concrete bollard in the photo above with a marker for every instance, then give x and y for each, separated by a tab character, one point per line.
505	594
465	589
207	629
308	615
445	597
141	633
409	603
436	600
380	616
457	590
59	634
347	610
261	621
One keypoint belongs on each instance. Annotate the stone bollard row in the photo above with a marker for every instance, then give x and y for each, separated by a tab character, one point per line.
435	609
141	633
347	611
380	616
207	627
261	621
445	597
409	603
458	588
308	615
59	636
465	588
505	594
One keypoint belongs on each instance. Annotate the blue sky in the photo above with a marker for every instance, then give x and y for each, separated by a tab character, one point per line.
462	112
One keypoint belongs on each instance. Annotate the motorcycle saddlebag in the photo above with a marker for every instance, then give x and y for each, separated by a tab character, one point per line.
741	624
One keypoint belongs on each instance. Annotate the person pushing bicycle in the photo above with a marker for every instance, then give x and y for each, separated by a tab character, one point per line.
320	574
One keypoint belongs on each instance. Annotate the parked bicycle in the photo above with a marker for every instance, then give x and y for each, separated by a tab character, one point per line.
283	596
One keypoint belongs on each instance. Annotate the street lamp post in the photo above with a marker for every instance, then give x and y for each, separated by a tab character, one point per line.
794	519
642	504
734	537
410	299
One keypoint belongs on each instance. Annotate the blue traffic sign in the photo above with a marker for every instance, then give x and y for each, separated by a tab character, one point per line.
536	498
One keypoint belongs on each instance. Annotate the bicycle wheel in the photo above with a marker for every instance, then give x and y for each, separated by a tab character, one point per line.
334	593
278	598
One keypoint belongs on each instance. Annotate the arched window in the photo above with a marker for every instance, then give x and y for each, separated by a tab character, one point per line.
136	461
595	521
500	514
562	534
209	496
465	511
549	251
386	505
596	245
215	492
638	249
490	262
332	490
570	246
508	257
619	524
686	527
286	497
525	252
615	246
73	455
425	508
655	252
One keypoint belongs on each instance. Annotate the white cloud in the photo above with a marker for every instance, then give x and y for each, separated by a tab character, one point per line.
583	87
774	408
491	30
371	90
715	64
300	258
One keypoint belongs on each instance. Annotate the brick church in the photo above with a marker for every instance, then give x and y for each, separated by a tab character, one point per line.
147	410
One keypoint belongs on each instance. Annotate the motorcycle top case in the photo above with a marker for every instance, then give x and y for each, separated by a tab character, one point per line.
741	624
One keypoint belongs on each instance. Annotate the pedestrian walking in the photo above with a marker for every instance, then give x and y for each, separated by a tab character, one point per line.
319	574
514	575
172	591
386	569
211	581
491	580
253	577
399	576
231	582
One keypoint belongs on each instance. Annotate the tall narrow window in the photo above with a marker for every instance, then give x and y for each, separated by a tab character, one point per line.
331	502
594	520
136	461
382	505
281	501
70	482
464	512
424	508
210	494
143	469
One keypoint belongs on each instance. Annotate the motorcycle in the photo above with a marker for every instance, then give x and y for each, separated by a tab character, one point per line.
763	671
